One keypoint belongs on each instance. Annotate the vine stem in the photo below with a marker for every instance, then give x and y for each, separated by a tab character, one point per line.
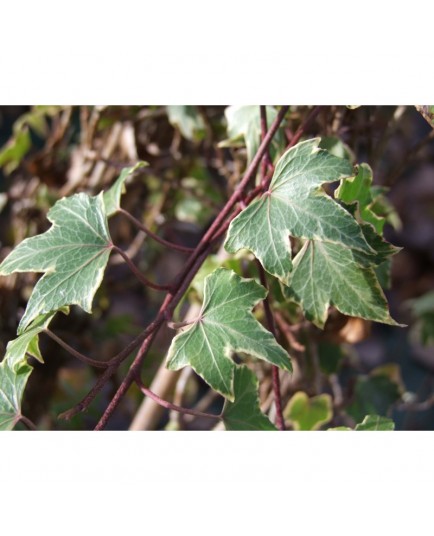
75	353
193	264
27	422
138	273
147	231
169	405
304	125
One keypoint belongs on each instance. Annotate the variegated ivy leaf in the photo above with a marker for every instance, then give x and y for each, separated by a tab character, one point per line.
15	370
188	120
335	266
244	413
112	197
225	324
73	254
295	205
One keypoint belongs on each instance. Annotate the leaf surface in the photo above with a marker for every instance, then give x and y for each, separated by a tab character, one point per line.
244	413
73	253
15	370
112	197
225	324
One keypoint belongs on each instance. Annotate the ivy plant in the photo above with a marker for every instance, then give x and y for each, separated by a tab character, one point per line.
297	248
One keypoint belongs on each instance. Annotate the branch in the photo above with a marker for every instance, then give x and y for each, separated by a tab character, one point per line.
27	422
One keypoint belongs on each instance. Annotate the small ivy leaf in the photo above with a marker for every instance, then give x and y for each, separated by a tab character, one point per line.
359	189
112	197
225	323
309	413
328	274
15	371
244	413
188	120
73	253
296	205
244	123
371	423
374	423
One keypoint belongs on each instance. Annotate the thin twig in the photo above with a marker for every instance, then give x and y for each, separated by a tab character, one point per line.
174	407
138	273
147	231
304	125
75	353
27	422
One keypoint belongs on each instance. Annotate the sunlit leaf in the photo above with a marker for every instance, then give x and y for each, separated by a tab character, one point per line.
73	253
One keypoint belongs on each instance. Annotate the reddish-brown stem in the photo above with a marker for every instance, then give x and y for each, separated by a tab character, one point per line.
280	421
169	405
75	353
192	266
27	422
138	273
302	128
147	231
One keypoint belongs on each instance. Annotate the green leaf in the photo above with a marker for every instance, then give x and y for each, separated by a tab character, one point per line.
244	123
328	274
112	197
188	120
15	149
15	371
225	323
296	205
308	413
244	413
358	189
73	253
373	423
373	394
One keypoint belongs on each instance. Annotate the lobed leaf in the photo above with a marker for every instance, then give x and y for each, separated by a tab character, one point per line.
73	253
336	264
225	324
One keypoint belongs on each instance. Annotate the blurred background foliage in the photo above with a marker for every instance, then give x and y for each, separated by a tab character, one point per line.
197	154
